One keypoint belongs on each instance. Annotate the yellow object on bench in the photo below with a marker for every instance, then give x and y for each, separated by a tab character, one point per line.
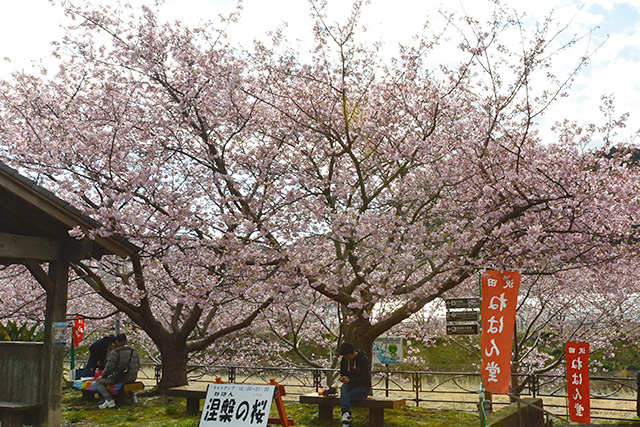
133	386
376	405
126	389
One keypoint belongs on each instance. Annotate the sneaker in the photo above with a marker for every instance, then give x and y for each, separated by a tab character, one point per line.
346	418
107	404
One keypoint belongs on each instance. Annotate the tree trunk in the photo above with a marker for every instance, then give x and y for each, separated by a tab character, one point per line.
174	365
515	386
359	334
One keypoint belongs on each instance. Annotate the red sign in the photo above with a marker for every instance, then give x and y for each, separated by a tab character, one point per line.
78	331
499	301
577	356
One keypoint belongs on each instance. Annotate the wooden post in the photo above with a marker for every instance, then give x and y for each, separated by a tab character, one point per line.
638	394
53	354
282	413
193	405
376	417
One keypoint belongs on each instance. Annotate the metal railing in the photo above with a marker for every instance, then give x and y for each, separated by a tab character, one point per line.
612	398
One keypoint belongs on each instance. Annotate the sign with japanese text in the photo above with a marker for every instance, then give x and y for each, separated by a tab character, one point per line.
462	303
78	331
237	405
387	350
462	329
462	316
499	302
577	357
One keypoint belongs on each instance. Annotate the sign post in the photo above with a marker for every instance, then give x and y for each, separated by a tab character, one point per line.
472	302
462	316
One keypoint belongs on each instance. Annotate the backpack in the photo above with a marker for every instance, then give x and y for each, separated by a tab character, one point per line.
121	371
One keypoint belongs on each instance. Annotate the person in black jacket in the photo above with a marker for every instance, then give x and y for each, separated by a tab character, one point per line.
98	352
355	377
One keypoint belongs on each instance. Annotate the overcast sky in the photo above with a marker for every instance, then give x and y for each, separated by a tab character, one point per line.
27	28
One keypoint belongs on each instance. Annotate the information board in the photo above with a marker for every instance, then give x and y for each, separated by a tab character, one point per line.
462	329
387	350
237	405
462	303
59	334
462	317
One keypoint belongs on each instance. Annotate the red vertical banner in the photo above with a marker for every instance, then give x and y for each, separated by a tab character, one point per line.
78	331
499	302
577	356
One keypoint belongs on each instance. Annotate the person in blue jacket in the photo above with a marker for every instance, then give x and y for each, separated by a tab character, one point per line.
355	377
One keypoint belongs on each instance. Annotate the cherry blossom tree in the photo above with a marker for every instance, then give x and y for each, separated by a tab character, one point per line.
409	178
248	177
596	306
21	298
146	127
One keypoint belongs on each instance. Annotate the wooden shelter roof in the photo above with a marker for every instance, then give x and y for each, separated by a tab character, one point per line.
35	224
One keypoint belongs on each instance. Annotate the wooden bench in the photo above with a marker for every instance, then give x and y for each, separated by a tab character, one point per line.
193	394
119	394
12	414
376	405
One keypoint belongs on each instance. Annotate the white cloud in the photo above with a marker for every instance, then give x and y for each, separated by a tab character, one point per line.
27	28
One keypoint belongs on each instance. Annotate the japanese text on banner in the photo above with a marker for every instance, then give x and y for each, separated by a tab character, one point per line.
577	357
499	302
78	331
237	405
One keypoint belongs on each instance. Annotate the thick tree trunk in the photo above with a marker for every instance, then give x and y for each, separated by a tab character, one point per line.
359	334
174	365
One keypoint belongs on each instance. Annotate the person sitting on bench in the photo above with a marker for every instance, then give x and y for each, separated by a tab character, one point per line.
98	352
355	377
119	357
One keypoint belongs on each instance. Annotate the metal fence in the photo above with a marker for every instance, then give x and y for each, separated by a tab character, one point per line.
612	398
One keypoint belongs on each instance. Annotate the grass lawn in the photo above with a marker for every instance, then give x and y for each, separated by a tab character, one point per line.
164	411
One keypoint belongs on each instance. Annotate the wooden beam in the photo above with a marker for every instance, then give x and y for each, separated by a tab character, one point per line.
55	337
38	248
40	275
60	213
75	250
18	247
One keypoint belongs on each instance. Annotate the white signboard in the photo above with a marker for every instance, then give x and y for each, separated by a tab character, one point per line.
237	405
387	350
59	334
